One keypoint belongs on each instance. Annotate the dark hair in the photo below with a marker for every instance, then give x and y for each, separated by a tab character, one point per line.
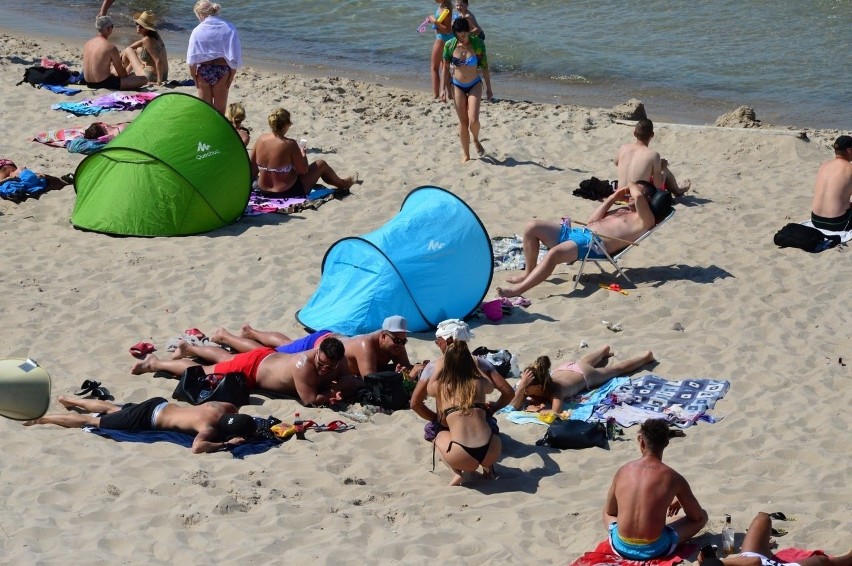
95	131
656	434
644	130
233	425
461	25
332	348
843	143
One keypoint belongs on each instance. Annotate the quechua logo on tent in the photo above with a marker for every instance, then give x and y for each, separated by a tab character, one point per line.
204	151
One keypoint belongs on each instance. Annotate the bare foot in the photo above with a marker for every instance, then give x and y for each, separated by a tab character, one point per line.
683	188
465	158
181	350
515	279
144	366
220	336
246	331
32	422
479	149
66	402
347	182
649	357
458	479
501	292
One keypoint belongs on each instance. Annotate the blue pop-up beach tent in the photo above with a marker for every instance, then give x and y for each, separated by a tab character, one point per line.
430	262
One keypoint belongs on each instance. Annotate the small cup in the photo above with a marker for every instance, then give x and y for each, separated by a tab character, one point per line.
303	143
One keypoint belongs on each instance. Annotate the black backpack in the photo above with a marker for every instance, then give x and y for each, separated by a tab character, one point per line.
46	76
594	189
571	434
196	388
804	237
384	389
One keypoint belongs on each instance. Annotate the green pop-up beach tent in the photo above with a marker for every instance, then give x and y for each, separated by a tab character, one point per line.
180	168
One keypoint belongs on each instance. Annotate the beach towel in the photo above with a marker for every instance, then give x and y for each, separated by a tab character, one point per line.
72	138
214	38
509	253
604	554
580	407
27	184
683	403
60	89
797	554
844	236
107	103
259	204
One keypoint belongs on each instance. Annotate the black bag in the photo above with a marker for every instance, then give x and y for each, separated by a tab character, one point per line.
196	388
46	76
574	435
594	189
804	237
386	390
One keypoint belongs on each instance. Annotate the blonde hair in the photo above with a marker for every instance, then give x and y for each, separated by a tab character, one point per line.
541	373
457	380
206	8
235	112
278	119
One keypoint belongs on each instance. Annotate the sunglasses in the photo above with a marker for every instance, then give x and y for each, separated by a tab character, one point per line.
323	365
398	341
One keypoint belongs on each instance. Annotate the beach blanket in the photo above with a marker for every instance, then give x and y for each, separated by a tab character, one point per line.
27	184
72	138
683	403
580	407
259	204
107	103
60	89
844	236
795	555
604	554
256	446
509	253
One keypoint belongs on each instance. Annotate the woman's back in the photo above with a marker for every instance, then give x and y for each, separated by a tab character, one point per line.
273	156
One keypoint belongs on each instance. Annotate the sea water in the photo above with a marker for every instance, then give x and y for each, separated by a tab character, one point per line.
688	61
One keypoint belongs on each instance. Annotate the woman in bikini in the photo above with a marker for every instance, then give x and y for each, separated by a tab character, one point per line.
213	55
464	57
147	57
281	166
459	391
549	390
443	32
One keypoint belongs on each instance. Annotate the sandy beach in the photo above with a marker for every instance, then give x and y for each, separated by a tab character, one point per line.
771	321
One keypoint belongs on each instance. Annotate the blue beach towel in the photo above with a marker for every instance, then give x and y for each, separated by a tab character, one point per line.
26	184
581	407
60	89
256	446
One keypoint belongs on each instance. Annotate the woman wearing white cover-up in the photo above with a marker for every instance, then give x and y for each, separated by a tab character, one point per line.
213	55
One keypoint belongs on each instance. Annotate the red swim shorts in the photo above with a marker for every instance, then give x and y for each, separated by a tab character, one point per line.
246	363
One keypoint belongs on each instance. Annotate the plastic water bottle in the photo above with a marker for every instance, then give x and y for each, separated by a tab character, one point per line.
727	537
300	426
515	366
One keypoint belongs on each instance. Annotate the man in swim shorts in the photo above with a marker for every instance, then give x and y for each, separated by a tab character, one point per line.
216	425
308	375
831	208
617	228
102	67
638	162
643	494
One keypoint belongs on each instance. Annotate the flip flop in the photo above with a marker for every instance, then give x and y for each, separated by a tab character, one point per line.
778	532
195	332
88	387
102	394
779	516
141	349
333	426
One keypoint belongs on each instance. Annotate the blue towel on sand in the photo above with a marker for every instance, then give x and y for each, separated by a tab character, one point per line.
581	407
256	446
26	184
60	89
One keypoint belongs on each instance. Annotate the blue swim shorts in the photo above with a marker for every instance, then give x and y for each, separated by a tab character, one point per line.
663	546
580	236
302	344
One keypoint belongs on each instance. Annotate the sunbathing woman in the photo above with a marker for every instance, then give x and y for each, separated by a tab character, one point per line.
147	57
460	390
570	378
281	166
464	57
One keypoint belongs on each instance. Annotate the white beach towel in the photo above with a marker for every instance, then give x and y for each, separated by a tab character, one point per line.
214	38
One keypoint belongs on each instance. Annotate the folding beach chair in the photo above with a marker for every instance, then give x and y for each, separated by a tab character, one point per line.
597	252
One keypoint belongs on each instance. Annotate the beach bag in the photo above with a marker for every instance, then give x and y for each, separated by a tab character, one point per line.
500	359
804	237
386	390
46	76
594	189
196	387
571	434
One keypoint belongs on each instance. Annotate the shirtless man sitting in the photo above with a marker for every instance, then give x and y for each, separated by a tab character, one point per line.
216	425
643	493
308	375
365	353
102	65
831	208
565	244
637	162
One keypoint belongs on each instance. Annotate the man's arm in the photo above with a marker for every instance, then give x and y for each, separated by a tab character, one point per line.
691	508
657	172
305	379
610	509
641	204
603	208
205	441
115	61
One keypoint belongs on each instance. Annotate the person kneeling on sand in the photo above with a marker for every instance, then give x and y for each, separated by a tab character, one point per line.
307	375
216	425
616	228
756	550
550	390
365	353
831	209
637	162
643	493
102	66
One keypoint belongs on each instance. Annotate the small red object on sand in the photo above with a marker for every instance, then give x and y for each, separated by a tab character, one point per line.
195	332
141	349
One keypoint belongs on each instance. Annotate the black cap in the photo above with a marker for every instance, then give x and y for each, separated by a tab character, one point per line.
232	425
843	143
712	561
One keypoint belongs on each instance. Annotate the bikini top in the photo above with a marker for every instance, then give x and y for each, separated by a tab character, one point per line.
471	61
285	169
450	410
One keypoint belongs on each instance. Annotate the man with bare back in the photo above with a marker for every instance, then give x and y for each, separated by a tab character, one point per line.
643	494
566	244
638	162
831	209
102	66
216	425
307	375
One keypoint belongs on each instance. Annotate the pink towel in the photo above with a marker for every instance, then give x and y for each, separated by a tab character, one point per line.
604	554
797	554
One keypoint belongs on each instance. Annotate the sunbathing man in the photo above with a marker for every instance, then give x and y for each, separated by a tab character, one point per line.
308	375
365	353
756	550
549	390
617	228
216	426
637	162
102	65
643	493
831	209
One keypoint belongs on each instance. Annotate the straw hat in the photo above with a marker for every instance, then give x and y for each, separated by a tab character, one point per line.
146	19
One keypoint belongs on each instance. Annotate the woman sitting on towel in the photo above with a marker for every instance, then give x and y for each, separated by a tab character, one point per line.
281	167
549	390
459	391
147	57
